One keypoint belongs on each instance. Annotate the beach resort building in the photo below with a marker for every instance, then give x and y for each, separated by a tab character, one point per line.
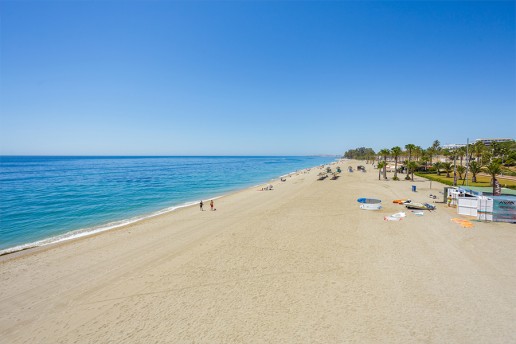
454	146
488	142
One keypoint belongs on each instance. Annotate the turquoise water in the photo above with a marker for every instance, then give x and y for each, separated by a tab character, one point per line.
63	197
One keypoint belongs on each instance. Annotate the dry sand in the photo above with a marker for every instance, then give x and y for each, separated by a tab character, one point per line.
299	264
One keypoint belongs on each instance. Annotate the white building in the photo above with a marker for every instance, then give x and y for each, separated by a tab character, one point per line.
488	142
454	145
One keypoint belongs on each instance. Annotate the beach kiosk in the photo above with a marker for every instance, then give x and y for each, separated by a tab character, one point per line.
480	203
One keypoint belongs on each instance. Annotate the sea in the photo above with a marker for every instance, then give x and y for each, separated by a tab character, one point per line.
48	199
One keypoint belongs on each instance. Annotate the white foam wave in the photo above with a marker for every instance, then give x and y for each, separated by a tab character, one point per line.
79	233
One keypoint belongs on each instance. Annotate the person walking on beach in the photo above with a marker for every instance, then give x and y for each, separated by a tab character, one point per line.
200	206
211	204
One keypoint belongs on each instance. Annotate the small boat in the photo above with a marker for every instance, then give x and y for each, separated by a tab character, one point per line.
419	206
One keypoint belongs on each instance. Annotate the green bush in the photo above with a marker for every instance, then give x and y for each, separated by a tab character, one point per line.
424	172
434	178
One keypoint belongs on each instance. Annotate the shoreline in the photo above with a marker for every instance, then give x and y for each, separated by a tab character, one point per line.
81	233
300	263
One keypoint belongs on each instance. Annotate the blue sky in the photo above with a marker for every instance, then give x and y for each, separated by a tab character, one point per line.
252	78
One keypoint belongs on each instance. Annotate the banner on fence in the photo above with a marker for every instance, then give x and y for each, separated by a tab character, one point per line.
504	210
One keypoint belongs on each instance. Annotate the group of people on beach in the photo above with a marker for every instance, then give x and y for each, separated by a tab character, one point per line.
201	204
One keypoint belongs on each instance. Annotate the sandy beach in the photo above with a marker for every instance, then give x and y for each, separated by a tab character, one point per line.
299	264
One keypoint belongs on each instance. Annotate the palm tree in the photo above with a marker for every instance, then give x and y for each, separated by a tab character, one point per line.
493	169
474	168
430	152
460	170
380	166
495	148
425	159
504	150
373	159
418	151
412	166
384	153
435	150
448	168
409	147
438	165
436	145
446	152
461	152
487	157
478	150
455	154
396	152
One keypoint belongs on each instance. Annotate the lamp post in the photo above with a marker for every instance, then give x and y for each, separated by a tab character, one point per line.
454	168
467	163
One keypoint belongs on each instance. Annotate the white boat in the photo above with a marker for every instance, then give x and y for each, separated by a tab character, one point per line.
370	203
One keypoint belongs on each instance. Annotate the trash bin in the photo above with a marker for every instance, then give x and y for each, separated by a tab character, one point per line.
413	188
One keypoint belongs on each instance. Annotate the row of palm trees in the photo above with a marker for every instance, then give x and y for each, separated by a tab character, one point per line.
493	169
412	151
503	153
480	158
410	165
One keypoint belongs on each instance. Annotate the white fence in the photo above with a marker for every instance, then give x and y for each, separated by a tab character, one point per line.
467	206
485	208
479	207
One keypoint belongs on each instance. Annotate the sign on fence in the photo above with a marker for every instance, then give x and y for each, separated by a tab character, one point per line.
504	210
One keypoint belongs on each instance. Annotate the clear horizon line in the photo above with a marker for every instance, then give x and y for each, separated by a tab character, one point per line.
162	156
